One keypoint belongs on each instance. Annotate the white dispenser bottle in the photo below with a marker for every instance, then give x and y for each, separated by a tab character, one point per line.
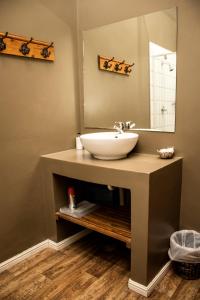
79	145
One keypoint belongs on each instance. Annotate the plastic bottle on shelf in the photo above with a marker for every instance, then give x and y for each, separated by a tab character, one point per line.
72	203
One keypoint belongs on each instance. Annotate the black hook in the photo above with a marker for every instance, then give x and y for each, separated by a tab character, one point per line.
45	53
127	68
2	44
5	36
106	64
117	68
51	45
24	49
29	41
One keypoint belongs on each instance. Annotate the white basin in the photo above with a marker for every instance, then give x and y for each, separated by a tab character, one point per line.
109	145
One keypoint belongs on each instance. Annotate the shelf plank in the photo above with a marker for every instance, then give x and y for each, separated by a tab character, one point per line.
115	223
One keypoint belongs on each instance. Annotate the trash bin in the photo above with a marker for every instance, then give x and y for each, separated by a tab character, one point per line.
185	253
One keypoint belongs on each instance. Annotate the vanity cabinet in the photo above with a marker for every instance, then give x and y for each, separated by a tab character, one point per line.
151	214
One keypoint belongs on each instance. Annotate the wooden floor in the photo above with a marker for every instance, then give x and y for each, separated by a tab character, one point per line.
95	267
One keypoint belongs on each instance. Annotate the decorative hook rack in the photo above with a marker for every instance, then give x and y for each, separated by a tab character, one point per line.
12	44
112	65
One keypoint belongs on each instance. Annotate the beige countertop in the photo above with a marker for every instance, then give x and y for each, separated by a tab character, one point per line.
135	162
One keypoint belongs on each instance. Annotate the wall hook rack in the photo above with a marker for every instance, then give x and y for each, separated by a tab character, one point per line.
113	65
12	44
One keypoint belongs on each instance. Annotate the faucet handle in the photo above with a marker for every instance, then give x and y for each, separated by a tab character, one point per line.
119	126
129	125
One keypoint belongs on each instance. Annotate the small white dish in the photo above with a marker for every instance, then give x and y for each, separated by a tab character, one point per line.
166	153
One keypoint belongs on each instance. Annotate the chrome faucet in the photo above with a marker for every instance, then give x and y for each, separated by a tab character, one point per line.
121	126
129	125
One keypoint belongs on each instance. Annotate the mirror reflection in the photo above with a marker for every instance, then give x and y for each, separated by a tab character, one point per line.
147	94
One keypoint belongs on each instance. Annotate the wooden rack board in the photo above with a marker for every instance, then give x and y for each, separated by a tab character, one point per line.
115	223
14	42
124	68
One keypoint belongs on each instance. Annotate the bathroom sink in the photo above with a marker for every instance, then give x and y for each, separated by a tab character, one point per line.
109	145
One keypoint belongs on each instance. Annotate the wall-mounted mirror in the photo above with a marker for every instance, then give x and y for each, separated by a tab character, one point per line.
147	95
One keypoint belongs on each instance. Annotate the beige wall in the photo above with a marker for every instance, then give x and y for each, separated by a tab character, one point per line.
186	138
162	28
37	116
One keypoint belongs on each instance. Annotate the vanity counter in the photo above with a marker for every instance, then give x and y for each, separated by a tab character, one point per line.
155	189
136	162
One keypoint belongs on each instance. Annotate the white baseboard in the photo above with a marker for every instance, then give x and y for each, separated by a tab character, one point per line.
68	241
45	244
147	290
23	255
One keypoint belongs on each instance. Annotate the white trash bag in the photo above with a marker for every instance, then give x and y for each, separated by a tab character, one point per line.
185	246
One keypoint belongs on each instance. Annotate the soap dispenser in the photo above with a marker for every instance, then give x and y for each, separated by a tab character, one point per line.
79	145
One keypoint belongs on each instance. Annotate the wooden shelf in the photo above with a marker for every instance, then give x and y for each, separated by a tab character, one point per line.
115	223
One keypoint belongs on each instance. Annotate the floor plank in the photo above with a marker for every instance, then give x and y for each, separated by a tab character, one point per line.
187	290
31	262
198	295
169	284
96	267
